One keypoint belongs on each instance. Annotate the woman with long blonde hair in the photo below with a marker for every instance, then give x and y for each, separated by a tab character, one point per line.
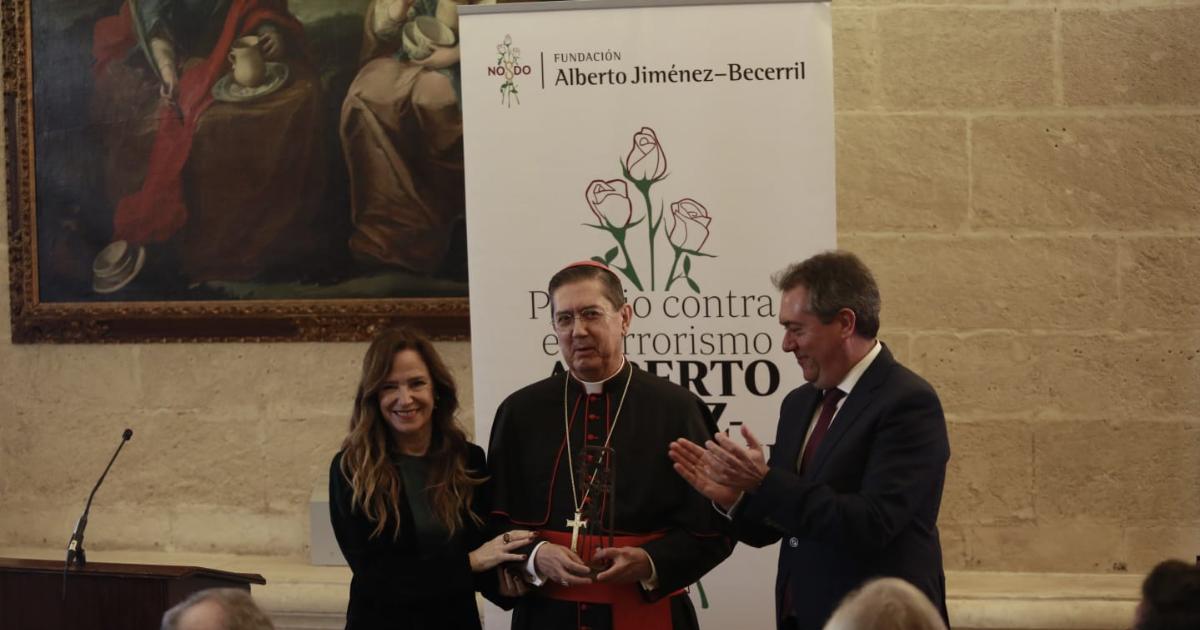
407	501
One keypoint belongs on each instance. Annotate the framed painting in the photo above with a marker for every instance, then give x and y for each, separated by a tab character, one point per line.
233	170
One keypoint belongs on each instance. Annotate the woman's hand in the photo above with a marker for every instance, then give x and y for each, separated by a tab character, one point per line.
511	584
271	43
398	10
169	89
162	51
500	549
442	57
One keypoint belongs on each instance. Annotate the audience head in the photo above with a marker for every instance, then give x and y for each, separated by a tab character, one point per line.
217	609
1170	598
886	604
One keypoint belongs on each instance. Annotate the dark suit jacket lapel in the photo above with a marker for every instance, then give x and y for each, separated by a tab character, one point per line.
790	436
858	400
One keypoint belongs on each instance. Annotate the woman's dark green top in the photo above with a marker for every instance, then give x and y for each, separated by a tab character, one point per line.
421	578
414	474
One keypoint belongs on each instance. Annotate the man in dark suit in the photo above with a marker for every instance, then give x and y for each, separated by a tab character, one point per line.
854	481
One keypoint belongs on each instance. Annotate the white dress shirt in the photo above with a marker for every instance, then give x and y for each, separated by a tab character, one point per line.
848	382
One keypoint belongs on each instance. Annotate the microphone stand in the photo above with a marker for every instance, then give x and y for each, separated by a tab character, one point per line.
75	554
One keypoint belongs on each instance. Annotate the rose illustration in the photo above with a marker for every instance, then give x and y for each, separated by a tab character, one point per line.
610	201
690	228
644	167
646	160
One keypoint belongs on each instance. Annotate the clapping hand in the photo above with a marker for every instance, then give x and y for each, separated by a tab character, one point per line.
688	458
733	465
724	469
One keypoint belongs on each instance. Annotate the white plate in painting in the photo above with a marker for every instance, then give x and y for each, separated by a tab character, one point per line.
229	91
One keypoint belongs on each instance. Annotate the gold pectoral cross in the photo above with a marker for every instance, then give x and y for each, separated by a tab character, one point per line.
575	524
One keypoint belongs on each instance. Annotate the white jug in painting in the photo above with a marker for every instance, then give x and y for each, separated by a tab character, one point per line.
249	69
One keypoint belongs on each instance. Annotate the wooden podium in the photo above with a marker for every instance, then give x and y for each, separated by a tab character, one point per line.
101	595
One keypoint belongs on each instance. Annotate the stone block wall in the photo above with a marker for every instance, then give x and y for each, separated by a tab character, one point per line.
1023	176
1025	179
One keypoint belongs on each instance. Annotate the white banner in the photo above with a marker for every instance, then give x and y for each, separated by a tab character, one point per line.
691	146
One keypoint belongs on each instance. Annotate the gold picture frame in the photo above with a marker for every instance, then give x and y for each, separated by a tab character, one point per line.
51	301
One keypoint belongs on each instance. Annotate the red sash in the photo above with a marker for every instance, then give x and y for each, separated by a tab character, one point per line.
630	611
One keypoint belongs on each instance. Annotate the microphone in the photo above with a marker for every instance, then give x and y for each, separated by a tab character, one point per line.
75	553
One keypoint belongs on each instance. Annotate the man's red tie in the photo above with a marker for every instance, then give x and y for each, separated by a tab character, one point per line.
828	408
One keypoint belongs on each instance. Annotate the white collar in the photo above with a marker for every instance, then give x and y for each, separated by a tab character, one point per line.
859	368
598	386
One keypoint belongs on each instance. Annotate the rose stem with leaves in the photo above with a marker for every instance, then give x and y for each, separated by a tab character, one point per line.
628	269
652	225
671	276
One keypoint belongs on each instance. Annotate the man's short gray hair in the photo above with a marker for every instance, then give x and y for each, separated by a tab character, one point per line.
239	609
836	280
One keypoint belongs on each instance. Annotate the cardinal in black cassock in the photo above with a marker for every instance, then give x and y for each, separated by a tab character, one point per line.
591	445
